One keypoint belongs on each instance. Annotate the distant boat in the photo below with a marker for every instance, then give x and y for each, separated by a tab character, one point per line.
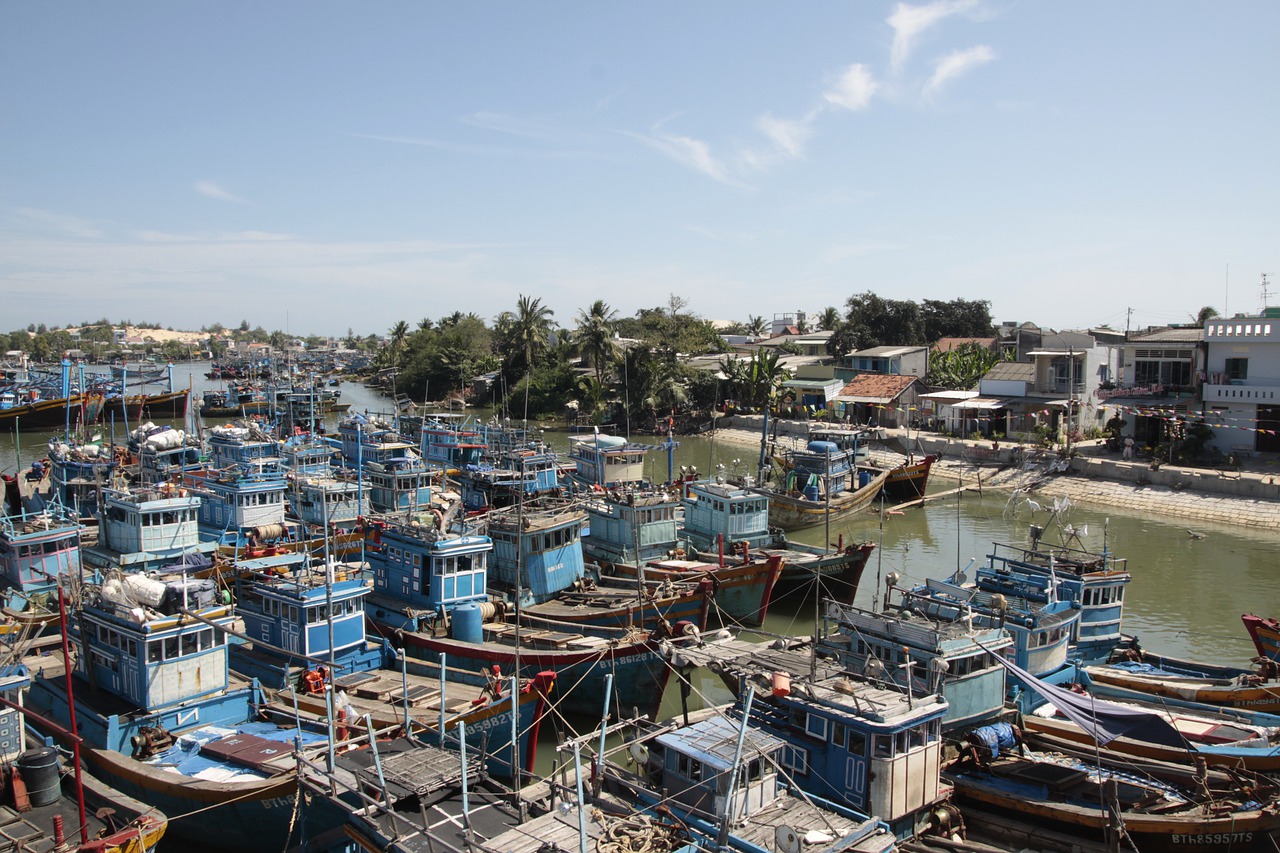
51	413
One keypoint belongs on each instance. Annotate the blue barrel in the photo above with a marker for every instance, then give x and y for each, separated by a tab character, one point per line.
811	491
468	624
864	477
39	769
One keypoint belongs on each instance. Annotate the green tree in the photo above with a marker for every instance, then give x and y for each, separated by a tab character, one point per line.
961	369
399	333
756	326
528	333
959	318
1205	314
594	336
828	318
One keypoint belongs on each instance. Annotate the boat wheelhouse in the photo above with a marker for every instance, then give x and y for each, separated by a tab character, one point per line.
607	461
323	500
242	489
308	454
79	471
430	595
447	442
36	549
144	528
537	549
1096	585
820	483
1041	631
866	745
956	659
633	528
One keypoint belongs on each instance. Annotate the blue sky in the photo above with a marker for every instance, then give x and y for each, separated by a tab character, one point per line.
319	166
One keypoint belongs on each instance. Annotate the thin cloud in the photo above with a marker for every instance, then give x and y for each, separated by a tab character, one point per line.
788	135
692	153
470	149
72	225
510	125
149	236
908	22
844	251
212	190
853	89
956	64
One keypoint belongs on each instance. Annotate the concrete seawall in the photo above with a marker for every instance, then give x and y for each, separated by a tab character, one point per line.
1249	497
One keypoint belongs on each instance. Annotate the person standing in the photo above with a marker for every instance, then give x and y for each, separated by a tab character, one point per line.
1127	455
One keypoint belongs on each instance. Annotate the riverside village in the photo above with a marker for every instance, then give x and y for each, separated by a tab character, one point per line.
884	575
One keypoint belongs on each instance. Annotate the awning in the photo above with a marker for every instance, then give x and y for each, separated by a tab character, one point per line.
1072	353
843	399
946	396
980	403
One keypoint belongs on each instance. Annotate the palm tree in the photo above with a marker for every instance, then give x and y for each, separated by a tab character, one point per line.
531	328
399	332
828	319
1206	314
756	326
595	335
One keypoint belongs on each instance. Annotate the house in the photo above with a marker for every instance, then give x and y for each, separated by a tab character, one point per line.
787	324
1157	378
811	387
895	360
1241	391
879	398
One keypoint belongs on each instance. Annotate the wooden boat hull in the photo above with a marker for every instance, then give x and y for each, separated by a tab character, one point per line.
795	513
639	670
740	593
1265	634
908	482
52	414
1169	832
839	573
1256	759
1261	696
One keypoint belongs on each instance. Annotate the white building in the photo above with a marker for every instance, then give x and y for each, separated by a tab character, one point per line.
1241	391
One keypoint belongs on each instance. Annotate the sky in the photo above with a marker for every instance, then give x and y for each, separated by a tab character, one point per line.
323	166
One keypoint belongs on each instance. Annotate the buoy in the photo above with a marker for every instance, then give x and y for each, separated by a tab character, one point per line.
781	683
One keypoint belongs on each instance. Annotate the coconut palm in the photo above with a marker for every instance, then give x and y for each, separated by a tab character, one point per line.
399	333
595	336
756	326
530	328
1206	314
828	318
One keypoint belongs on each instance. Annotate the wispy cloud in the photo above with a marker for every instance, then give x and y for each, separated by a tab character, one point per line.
956	64
788	135
481	150
908	22
212	190
73	225
511	125
853	89
691	153
148	236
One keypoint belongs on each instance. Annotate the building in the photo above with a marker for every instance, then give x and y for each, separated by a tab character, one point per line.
1157	378
1241	390
881	399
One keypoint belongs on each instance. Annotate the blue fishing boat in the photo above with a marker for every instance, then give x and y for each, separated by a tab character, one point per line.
1041	630
161	718
306	633
723	517
37	549
731	783
538	557
448	442
324	500
242	489
602	461
399	479
78	471
165	455
861	742
954	658
430	596
146	528
308	453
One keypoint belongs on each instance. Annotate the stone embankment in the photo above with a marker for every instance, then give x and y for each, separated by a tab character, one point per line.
1249	496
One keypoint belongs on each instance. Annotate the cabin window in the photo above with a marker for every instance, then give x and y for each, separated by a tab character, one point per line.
857	743
190	643
752	772
689	768
795	760
882	746
837	734
155	653
816	726
171	648
205	639
466	563
916	737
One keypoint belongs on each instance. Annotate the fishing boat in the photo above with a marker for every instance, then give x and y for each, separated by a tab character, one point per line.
954	658
720	516
399	480
862	743
906	482
79	470
45	413
161	718
538	557
430	597
37	549
1189	682
1265	633
307	645
50	807
239	400
819	484
726	779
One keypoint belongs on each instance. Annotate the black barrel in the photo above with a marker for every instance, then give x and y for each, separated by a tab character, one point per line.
39	769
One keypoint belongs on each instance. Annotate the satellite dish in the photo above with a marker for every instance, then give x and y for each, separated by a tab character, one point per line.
960	578
874	668
786	839
891	579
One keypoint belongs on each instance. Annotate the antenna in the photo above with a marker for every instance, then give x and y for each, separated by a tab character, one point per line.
1266	292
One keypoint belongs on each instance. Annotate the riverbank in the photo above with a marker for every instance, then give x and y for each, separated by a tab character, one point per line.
1249	497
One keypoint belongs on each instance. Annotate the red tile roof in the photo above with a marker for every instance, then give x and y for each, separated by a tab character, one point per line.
948	344
882	386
